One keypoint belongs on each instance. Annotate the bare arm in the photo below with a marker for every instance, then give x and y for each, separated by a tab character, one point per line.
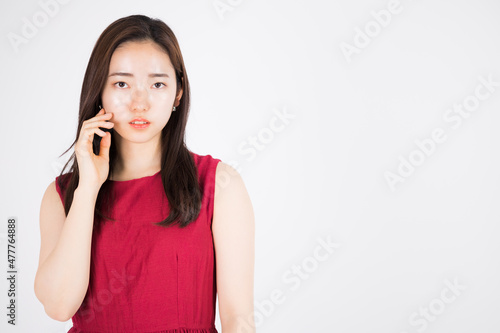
233	230
63	273
62	277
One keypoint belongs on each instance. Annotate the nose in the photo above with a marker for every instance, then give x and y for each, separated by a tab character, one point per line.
139	100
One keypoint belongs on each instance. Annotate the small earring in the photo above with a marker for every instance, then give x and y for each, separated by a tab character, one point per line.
173	109
100	107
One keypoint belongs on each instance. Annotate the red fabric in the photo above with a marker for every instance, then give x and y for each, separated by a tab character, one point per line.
147	278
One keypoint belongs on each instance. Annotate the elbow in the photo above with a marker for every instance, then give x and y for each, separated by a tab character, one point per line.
54	312
57	315
58	312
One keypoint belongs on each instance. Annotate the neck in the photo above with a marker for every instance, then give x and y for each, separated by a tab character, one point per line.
137	159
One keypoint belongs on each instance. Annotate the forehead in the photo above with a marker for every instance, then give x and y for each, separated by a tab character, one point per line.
140	55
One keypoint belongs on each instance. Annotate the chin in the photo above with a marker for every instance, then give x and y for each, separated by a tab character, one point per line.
138	136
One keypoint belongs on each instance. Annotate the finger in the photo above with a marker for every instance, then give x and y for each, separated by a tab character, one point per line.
100	132
84	144
105	144
99	116
87	135
91	127
100	123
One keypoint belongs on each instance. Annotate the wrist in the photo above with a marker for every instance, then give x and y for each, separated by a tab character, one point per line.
88	191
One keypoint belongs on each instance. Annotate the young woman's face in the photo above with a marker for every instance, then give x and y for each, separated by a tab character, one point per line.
141	84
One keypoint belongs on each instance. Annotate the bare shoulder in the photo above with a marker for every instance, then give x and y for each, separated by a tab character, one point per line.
231	198
51	196
228	181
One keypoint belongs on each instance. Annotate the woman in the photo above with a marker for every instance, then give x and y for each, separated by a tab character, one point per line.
142	233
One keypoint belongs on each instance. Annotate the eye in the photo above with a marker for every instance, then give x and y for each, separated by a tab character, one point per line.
120	84
157	83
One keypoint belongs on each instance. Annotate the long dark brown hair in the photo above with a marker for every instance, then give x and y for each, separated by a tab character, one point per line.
178	170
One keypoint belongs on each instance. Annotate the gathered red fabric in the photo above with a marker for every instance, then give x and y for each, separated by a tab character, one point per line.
148	278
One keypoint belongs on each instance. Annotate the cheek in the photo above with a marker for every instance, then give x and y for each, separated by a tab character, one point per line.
162	100
116	102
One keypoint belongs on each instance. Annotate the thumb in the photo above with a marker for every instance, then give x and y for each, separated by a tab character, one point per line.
105	144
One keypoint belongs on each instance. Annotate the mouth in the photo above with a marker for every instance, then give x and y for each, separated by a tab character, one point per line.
139	123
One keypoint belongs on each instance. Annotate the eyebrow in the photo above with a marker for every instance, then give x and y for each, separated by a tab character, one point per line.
130	74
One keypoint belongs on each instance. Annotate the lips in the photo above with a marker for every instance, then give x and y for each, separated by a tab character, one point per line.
139	119
143	123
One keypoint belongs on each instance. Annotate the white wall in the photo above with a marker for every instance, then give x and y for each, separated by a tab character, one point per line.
319	177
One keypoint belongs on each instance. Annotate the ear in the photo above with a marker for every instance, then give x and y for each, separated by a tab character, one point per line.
179	95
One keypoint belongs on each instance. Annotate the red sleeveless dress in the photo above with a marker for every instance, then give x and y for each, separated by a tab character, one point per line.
147	278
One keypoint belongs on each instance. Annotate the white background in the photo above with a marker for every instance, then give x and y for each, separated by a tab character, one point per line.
322	174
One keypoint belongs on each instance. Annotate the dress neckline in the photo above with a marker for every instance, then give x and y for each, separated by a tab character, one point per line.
135	179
